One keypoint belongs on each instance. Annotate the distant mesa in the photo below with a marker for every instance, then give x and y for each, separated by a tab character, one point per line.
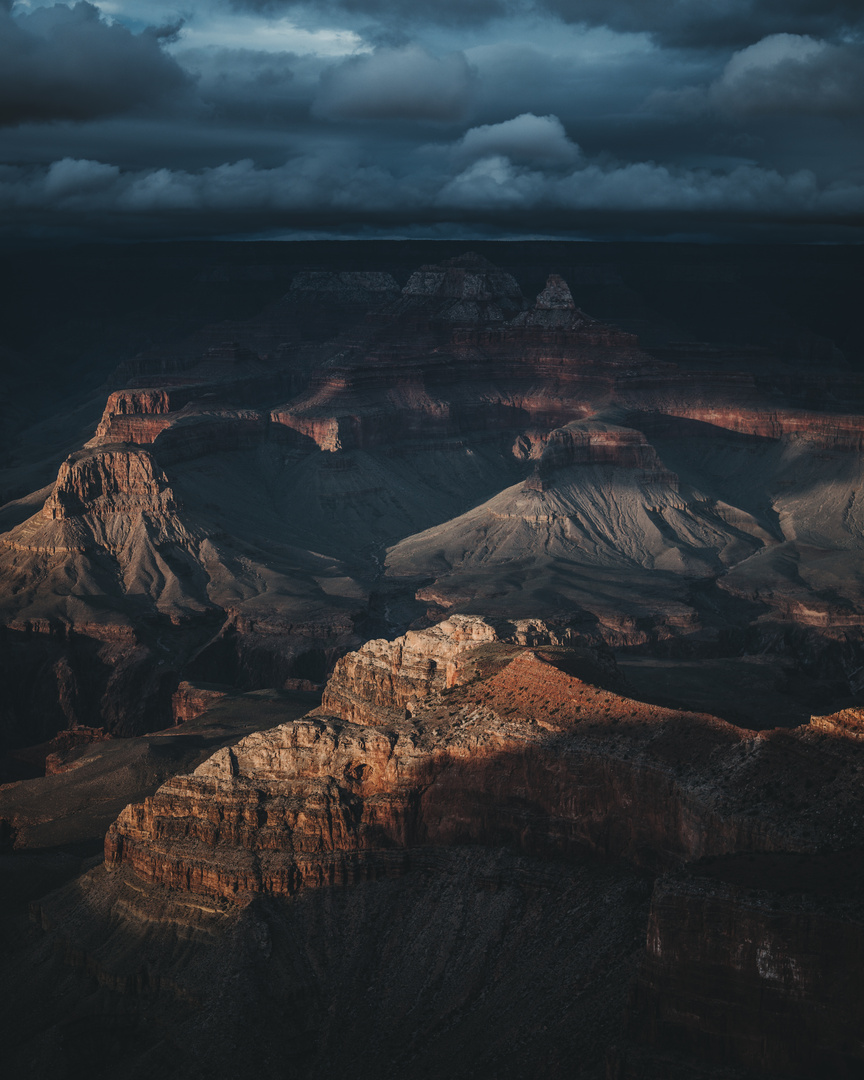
554	309
465	290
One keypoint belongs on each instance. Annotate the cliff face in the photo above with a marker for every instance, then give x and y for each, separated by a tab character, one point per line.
394	676
510	782
116	584
461	351
753	961
834	431
483	844
454	740
449	736
594	443
125	404
110	482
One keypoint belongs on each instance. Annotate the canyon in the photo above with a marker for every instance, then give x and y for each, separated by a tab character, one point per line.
432	677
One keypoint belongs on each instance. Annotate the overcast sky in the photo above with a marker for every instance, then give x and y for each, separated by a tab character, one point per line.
682	119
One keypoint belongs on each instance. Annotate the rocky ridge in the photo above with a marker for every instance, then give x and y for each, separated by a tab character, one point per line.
466	738
486	853
428	726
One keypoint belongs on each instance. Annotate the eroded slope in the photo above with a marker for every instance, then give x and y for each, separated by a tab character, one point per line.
247	517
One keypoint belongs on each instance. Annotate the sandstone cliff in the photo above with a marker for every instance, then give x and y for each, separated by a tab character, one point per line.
451	736
466	739
112	482
483	843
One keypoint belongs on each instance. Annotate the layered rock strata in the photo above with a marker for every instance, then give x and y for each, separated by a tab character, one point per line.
450	737
367	456
593	443
109	482
753	961
227	526
475	759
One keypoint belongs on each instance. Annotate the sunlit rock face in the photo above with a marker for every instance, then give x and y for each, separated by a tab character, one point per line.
124	404
385	770
116	482
451	735
567	602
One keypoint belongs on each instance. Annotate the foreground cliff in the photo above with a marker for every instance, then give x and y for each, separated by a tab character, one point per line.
752	960
451	866
451	736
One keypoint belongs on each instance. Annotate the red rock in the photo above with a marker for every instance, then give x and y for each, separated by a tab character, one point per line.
462	739
476	386
847	722
58	760
190	700
117	424
109	482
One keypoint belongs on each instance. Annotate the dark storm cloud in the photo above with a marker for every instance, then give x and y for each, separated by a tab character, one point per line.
715	24
784	75
712	23
405	84
251	86
309	119
449	12
338	187
66	63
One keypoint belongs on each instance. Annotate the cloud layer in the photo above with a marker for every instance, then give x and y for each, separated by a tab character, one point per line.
526	139
561	116
404	84
716	23
488	191
790	73
65	62
699	23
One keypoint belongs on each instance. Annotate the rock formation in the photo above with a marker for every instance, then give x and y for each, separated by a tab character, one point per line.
262	497
752	960
108	483
463	738
427	727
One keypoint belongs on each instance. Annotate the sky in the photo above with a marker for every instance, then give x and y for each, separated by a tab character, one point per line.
706	120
